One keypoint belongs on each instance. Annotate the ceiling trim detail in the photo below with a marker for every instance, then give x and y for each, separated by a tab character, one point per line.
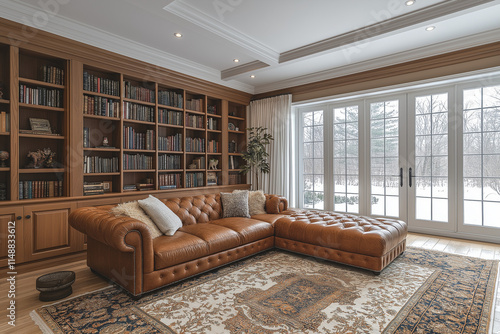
92	36
234	71
195	16
419	53
425	14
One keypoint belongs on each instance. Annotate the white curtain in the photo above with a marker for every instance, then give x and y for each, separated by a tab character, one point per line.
274	113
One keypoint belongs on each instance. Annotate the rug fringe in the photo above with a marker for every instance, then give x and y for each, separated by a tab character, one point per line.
40	323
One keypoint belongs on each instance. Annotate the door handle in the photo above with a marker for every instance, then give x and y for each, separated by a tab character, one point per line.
410	177
401	176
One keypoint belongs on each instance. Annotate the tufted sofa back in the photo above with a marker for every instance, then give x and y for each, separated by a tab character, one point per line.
196	209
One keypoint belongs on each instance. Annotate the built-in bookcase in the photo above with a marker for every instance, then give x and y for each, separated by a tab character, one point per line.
42	117
5	142
236	129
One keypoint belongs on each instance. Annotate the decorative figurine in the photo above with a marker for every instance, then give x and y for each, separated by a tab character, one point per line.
105	141
4	156
212	163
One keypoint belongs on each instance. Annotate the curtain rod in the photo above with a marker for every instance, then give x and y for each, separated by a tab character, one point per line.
268	97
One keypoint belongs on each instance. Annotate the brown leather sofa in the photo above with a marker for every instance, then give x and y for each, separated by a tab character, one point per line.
122	249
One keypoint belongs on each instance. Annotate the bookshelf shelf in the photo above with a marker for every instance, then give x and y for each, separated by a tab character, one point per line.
3	101
234	131
4	169
162	106
126	120
39	107
195	112
214	115
41	170
28	135
171	152
4	133
128	150
113	97
101	117
139	102
214	131
101	174
236	118
99	149
195	129
170	170
40	83
139	170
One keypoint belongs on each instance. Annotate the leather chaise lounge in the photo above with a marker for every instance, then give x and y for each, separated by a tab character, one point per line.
122	248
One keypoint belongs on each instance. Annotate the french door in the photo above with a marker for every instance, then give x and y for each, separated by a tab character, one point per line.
430	157
411	158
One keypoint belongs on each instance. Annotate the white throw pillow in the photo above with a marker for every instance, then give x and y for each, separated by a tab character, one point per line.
133	210
256	202
167	221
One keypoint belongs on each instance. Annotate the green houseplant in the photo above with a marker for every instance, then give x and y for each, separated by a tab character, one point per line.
256	155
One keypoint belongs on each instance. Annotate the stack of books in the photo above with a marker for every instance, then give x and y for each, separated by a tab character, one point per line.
129	187
93	188
4	122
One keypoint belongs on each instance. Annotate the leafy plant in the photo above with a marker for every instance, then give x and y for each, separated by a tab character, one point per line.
256	154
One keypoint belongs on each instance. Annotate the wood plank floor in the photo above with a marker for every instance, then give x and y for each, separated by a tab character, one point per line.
86	281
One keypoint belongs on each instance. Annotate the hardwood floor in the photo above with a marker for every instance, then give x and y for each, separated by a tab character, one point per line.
86	281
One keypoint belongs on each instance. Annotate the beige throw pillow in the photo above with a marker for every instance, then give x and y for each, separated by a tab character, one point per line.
164	218
133	210
256	202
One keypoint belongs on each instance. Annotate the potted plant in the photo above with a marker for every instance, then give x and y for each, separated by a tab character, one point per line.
256	155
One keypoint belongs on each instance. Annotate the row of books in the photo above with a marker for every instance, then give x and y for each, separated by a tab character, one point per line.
170	98
213	146
4	121
212	124
194	180
146	185
234	178
97	188
139	93
101	106
138	112
169	181
194	104
40	189
195	145
194	121
198	163
96	164
170	143
42	96
212	109
52	74
93	83
137	161
232	147
138	141
168	162
171	117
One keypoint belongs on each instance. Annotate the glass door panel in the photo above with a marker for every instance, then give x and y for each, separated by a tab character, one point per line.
385	166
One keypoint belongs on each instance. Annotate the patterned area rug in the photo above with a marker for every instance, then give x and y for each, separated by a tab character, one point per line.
277	292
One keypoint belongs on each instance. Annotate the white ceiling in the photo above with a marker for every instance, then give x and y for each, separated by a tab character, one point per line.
289	42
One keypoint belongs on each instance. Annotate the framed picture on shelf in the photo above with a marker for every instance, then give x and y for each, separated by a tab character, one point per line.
40	125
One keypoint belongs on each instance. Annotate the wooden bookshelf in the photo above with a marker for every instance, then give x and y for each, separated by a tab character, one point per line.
80	89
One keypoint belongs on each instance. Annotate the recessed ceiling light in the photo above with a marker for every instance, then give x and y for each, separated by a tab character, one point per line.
236	60
178	35
252	76
410	2
430	28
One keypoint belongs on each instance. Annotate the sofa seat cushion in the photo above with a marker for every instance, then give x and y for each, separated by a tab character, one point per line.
249	230
270	218
218	238
178	248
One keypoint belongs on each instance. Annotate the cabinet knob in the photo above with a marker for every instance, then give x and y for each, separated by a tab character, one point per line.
19	217
28	217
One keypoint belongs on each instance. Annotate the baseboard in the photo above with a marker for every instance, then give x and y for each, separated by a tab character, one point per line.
456	235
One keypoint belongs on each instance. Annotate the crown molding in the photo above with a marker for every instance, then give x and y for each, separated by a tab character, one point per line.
83	33
397	23
237	70
208	23
401	57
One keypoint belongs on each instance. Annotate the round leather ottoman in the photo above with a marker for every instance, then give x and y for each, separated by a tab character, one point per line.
55	286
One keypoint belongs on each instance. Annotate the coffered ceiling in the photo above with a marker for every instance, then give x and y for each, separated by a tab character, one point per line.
282	43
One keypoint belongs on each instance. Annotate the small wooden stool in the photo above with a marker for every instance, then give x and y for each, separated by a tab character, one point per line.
55	286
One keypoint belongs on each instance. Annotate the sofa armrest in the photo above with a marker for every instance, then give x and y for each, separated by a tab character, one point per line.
111	230
276	204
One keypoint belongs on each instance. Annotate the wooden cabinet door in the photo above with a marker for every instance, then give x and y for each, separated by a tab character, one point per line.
47	231
11	224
